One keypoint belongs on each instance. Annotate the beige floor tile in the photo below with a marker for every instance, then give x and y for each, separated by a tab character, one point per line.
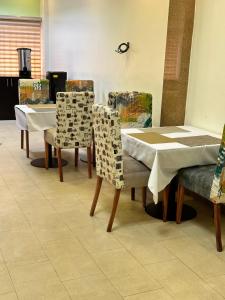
140	243
218	284
92	287
40	291
96	239
180	282
6	285
197	257
116	262
37	273
12	219
21	247
70	259
138	281
8	296
153	295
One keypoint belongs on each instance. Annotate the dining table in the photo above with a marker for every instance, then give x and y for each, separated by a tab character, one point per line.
166	150
38	117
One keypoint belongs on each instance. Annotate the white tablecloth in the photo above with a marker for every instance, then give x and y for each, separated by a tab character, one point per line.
165	159
34	119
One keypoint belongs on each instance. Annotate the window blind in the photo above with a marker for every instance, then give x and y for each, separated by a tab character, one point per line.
19	33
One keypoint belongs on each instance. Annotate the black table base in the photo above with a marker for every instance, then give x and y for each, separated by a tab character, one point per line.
156	211
40	163
52	161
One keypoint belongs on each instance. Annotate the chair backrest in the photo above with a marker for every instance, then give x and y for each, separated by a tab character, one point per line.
34	91
74	119
109	161
135	108
79	86
218	186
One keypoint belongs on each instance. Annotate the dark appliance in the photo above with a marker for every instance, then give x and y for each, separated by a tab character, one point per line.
57	83
24	55
9	97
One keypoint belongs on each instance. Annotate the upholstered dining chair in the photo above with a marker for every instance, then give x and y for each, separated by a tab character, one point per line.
79	86
118	169
73	126
208	182
135	108
32	91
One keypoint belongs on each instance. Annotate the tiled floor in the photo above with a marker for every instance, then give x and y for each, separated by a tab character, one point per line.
50	249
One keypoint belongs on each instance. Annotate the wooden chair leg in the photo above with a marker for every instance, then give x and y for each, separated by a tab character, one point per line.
165	202
144	196
133	193
217	222
89	162
27	143
76	156
60	164
180	201
55	151
22	139
46	155
97	191
113	213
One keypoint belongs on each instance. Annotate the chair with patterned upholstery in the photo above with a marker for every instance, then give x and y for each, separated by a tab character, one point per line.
73	126
32	91
208	182
118	169
79	86
135	108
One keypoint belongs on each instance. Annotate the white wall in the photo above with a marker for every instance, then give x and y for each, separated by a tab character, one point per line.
206	92
82	35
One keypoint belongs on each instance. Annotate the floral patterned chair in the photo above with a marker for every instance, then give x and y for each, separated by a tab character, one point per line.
32	91
79	86
118	169
208	182
73	126
135	108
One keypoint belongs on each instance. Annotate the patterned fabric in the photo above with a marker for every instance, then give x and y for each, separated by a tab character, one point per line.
74	119
34	91
135	108
79	86
198	179
218	186
109	162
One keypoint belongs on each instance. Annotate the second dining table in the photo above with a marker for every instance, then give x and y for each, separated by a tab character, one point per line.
165	150
38	117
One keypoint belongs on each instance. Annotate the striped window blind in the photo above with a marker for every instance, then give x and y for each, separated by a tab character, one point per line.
19	33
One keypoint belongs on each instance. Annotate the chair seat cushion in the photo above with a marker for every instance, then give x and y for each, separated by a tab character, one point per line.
136	174
198	179
50	135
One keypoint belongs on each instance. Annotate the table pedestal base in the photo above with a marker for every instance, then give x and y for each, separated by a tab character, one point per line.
155	210
40	163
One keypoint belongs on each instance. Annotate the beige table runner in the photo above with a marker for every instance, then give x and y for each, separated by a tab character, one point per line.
198	140
192	141
164	130
152	137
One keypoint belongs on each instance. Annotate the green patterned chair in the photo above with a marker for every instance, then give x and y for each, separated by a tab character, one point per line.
73	126
208	182
32	91
79	86
135	108
118	169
